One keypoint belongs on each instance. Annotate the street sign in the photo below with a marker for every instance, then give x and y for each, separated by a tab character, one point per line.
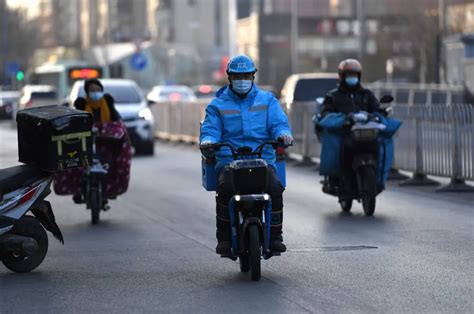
138	61
12	68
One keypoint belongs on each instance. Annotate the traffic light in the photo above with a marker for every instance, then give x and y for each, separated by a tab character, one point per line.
20	76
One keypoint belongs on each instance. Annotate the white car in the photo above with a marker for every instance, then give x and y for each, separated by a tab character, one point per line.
37	96
307	87
173	93
132	106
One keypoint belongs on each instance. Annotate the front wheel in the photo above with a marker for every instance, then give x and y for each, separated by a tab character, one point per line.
27	226
254	252
367	189
95	200
244	263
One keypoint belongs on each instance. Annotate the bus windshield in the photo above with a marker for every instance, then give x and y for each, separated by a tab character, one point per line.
52	79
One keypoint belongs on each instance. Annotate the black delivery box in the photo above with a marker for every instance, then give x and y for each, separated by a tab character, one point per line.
54	138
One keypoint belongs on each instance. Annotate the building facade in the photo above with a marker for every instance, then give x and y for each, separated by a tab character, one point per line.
328	31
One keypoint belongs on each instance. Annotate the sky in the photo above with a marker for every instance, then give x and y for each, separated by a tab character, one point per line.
32	6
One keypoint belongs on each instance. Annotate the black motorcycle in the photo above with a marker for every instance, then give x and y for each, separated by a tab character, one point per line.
95	181
359	159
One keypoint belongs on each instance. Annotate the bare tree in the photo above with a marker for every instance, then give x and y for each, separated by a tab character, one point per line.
18	40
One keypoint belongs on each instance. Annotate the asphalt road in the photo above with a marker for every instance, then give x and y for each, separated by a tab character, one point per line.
154	251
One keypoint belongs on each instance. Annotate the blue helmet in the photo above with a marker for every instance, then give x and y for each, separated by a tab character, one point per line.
241	64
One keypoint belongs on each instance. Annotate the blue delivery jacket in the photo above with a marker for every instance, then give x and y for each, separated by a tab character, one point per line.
239	122
332	137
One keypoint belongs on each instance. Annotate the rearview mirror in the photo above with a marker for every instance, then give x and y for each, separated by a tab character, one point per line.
386	99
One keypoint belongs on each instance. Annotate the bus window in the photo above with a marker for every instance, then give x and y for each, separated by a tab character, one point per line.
402	96
438	97
385	91
45	79
457	98
420	97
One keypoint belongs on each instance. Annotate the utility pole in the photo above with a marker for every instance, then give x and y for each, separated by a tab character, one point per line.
232	27
5	44
362	31
442	20
294	36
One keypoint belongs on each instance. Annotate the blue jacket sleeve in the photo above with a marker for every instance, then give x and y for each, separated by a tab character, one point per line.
277	120
211	129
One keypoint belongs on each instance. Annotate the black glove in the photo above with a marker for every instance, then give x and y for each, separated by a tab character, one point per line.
206	149
349	119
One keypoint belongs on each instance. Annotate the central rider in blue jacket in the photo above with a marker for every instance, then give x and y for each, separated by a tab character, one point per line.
244	115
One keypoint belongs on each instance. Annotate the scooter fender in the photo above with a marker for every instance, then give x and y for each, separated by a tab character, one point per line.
44	213
365	184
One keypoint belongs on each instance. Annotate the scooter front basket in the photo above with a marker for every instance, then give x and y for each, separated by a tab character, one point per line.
249	176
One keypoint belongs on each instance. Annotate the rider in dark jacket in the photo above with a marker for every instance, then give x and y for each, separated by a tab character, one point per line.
348	98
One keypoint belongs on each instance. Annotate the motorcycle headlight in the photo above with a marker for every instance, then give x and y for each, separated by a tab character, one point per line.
146	114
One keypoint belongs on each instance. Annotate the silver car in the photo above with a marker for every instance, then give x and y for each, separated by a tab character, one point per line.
132	106
172	93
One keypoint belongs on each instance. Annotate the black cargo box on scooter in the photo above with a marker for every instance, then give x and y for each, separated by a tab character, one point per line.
54	137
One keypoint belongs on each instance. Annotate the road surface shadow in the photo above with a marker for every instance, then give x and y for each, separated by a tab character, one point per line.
356	222
104	228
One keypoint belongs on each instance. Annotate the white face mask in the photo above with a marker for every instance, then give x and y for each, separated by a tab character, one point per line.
242	86
96	95
352	80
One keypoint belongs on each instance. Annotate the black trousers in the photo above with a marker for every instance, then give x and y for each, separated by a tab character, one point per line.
225	192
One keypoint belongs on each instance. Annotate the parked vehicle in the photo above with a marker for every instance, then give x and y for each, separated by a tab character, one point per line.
307	87
271	89
38	96
173	93
132	107
23	239
49	139
8	103
205	91
249	208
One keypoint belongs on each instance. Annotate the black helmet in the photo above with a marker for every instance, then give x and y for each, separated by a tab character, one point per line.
89	82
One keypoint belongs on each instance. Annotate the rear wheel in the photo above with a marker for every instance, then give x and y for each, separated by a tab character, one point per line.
27	226
254	252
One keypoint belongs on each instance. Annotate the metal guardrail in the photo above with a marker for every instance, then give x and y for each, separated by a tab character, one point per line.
179	121
434	139
414	94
